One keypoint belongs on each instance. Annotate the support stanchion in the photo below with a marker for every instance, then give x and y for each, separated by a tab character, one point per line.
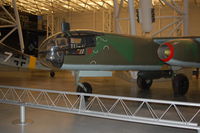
82	103
22	120
22	115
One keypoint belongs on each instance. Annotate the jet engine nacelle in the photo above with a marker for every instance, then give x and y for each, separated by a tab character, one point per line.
52	51
180	52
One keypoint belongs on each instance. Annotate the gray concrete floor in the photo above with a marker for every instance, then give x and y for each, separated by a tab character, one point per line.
55	122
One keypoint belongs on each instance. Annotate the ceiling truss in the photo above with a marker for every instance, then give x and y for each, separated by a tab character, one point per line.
44	7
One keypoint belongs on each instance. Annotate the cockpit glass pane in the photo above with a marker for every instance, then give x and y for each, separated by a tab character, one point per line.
52	51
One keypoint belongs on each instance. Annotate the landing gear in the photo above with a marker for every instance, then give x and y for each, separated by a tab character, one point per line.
52	74
84	88
180	84
144	84
145	78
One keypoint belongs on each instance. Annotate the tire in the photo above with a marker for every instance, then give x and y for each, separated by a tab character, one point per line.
180	84
143	83
88	89
52	74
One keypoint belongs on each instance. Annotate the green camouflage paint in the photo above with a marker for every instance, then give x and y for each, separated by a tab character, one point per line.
121	44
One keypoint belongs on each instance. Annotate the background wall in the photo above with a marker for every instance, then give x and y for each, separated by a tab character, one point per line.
103	21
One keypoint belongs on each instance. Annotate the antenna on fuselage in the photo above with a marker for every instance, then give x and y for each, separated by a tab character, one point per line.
65	27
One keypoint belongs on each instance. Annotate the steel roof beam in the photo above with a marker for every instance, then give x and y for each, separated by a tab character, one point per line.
79	5
87	4
68	4
98	4
107	3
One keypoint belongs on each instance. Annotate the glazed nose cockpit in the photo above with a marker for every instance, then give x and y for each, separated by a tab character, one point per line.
52	51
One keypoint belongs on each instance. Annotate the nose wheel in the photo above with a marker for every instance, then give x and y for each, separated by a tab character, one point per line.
180	84
52	74
144	84
84	88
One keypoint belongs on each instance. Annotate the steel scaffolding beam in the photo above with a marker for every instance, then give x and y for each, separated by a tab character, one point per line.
185	18
148	111
132	16
15	24
181	18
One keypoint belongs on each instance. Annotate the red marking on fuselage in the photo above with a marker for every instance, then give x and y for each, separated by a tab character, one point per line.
89	51
171	48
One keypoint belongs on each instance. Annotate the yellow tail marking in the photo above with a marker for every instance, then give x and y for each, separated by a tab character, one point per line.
32	62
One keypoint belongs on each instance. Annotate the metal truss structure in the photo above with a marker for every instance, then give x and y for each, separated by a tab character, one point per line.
60	6
11	21
178	25
53	24
148	111
180	18
118	6
109	8
107	21
41	7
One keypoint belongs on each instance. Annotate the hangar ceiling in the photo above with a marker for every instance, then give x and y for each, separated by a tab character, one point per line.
41	7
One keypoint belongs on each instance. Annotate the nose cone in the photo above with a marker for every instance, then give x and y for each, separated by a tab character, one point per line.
51	52
166	52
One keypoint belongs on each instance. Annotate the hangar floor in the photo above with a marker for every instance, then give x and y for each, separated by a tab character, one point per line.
56	122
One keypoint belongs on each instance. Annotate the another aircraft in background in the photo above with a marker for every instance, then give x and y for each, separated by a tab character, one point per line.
15	58
154	58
